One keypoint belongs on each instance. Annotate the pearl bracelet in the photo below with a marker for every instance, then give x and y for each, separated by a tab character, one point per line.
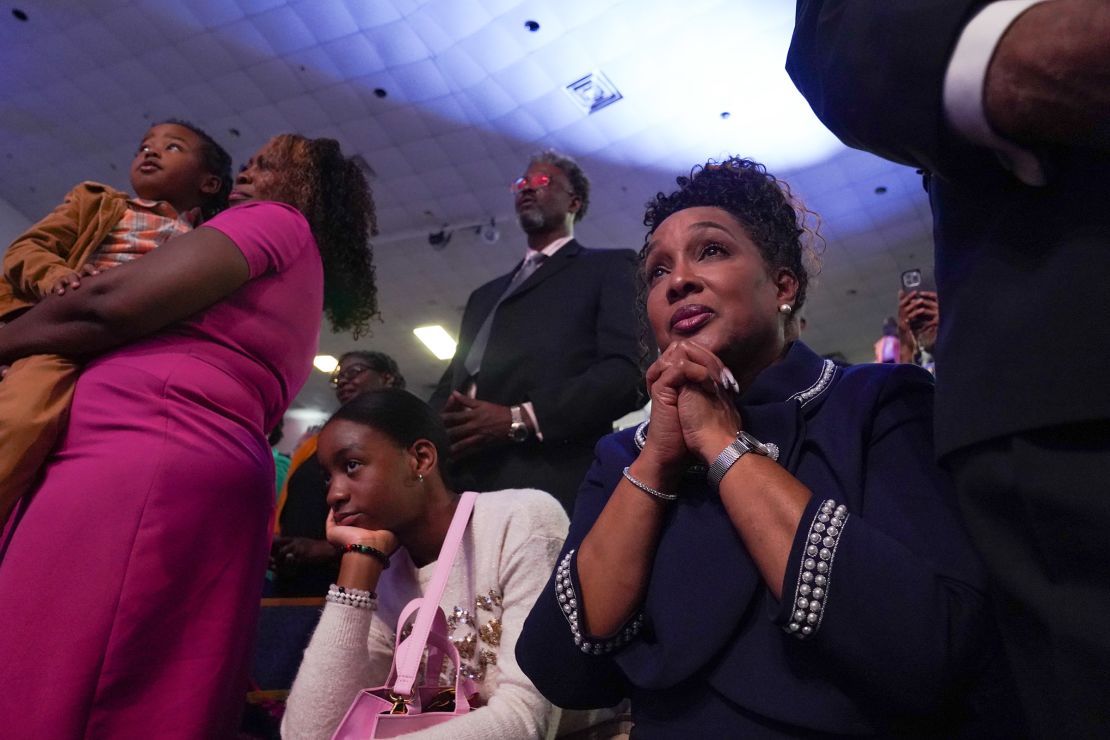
355	597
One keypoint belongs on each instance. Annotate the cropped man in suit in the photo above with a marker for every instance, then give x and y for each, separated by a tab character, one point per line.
1006	106
548	354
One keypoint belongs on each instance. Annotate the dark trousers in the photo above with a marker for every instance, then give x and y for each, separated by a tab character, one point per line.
1037	506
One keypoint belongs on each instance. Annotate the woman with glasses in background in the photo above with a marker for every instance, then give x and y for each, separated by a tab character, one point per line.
302	561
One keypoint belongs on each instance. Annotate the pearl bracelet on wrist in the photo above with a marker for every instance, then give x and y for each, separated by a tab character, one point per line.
355	597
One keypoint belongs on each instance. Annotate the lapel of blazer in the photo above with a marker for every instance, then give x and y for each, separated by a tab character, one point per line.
553	265
485	300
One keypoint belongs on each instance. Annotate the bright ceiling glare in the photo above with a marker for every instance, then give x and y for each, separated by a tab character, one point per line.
436	339
325	363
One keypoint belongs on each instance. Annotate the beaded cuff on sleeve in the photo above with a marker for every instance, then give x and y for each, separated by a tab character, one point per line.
568	602
812	590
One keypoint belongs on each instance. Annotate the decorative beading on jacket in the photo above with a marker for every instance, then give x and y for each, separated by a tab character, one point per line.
568	602
812	590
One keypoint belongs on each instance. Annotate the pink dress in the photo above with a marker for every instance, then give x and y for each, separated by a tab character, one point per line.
130	579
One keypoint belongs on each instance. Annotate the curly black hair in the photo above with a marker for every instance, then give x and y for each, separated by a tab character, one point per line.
334	196
216	162
775	220
579	183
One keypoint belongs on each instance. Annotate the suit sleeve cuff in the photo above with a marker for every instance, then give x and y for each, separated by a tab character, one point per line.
965	80
567	589
531	412
809	574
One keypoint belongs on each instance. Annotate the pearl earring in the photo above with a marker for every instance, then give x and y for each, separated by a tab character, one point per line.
420	477
786	309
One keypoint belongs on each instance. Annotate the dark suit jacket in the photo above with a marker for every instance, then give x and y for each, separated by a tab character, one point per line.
905	633
566	340
1021	270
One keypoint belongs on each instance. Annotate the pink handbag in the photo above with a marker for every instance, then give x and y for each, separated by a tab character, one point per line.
400	706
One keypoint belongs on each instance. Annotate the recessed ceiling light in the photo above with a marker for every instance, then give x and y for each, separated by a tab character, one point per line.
233	131
19	14
436	339
725	114
380	92
532	26
325	363
880	190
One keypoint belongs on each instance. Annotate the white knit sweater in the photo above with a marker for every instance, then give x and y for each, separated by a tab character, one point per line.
509	549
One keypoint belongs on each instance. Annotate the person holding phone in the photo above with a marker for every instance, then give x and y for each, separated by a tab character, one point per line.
918	320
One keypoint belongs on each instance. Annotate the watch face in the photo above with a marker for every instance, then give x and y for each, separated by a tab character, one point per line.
518	431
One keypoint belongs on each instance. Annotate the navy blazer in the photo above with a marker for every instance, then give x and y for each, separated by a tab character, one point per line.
566	340
1016	351
905	623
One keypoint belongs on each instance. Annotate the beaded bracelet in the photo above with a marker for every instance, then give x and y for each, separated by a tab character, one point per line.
811	592
646	488
355	597
373	552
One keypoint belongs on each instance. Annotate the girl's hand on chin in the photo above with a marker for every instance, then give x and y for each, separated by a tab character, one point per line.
341	536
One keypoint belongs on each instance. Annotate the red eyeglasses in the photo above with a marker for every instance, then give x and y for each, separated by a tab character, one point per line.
535	182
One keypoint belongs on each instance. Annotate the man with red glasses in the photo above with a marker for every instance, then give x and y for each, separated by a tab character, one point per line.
548	353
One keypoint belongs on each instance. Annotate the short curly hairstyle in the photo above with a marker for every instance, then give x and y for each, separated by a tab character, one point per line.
216	162
579	183
334	196
775	220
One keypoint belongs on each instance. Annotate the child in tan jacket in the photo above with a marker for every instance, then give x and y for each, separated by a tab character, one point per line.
180	176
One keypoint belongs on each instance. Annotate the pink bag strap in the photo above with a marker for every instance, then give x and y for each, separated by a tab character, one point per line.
409	652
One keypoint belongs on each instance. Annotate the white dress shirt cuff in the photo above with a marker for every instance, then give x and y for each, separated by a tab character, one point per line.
965	81
527	407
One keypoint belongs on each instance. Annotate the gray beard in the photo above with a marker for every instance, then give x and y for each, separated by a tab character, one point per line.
532	220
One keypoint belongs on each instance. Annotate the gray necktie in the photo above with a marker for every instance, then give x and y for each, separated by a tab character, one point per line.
474	358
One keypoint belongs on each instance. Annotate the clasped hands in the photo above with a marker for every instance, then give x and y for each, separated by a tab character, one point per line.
693	410
288	554
473	425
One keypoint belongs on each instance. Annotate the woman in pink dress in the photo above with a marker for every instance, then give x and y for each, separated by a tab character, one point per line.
129	580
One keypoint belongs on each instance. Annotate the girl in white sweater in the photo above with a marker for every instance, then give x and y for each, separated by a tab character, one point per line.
382	453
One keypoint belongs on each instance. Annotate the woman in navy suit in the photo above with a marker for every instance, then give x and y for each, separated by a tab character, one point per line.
775	553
